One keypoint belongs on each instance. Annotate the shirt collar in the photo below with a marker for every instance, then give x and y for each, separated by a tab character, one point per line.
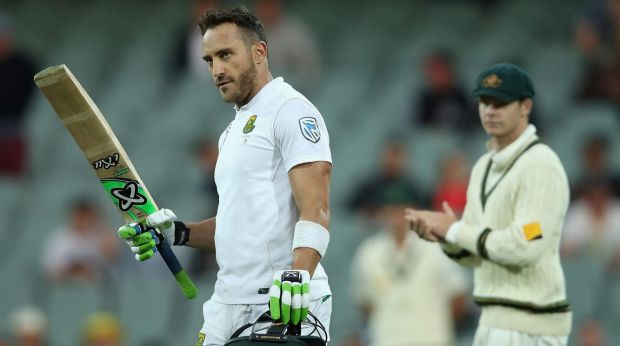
408	242
503	157
263	91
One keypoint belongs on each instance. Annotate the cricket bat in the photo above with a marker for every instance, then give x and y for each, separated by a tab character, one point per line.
93	135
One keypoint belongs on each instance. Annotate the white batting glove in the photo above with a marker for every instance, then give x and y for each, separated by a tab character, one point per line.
164	220
289	296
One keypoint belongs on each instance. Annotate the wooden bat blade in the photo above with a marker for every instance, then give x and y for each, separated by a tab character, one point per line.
93	135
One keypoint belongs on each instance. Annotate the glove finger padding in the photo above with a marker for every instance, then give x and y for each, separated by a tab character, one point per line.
143	242
129	230
305	300
289	301
143	256
296	303
143	238
144	247
148	248
285	301
274	298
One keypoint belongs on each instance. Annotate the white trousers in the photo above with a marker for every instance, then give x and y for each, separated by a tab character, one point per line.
487	336
222	320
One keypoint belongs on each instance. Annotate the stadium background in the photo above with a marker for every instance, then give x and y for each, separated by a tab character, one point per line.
371	54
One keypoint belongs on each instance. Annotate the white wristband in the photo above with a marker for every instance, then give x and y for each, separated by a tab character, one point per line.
312	235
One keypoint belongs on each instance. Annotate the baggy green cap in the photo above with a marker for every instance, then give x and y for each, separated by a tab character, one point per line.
506	82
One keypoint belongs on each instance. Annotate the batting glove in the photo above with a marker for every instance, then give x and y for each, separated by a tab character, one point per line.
144	240
164	220
289	296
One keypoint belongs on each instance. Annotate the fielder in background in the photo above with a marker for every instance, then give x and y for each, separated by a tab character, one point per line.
510	230
272	176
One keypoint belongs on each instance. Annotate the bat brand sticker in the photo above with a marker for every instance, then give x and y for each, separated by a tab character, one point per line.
107	162
121	171
128	196
310	129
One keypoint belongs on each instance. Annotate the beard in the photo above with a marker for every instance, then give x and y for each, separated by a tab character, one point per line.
244	87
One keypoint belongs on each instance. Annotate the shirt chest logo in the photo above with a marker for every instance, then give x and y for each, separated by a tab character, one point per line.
249	126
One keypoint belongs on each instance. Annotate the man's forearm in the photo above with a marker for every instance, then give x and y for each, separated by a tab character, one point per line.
310	186
202	235
305	258
513	246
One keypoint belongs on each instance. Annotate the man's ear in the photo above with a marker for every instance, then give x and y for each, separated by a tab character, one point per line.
259	52
526	106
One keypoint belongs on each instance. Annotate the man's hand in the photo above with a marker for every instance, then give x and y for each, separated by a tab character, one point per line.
431	225
143	240
290	296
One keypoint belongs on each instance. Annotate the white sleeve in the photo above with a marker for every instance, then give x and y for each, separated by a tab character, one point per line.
55	257
301	134
575	225
361	285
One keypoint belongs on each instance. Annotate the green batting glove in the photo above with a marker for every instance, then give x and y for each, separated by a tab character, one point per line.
289	296
142	241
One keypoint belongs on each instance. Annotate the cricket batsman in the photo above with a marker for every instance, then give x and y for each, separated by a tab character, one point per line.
272	177
510	230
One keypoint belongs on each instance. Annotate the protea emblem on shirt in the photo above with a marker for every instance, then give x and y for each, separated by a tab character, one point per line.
310	129
249	126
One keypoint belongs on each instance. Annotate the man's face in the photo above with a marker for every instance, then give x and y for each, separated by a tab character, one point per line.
595	156
392	217
499	118
230	62
394	159
83	219
438	74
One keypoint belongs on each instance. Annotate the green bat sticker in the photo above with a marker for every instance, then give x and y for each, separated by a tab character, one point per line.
129	197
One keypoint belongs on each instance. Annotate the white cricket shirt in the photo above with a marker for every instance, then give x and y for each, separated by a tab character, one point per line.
277	130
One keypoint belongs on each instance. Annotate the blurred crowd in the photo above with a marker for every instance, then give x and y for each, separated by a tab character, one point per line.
29	327
427	292
16	88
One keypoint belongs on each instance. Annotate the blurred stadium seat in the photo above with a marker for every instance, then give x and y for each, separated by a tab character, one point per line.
372	60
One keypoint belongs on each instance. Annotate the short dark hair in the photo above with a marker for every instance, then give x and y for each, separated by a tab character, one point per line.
83	203
252	28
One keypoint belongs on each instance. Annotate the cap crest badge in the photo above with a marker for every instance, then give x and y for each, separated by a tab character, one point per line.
492	81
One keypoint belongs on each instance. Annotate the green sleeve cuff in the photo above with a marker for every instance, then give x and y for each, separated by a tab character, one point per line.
454	251
450	248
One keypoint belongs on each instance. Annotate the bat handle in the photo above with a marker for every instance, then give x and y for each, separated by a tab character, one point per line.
187	286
